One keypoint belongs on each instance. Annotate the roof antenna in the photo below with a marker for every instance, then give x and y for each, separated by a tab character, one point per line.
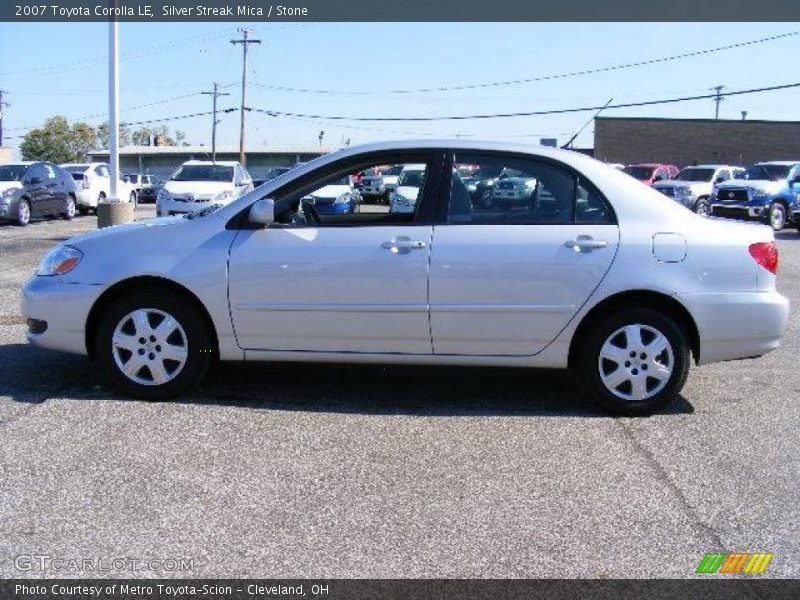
585	125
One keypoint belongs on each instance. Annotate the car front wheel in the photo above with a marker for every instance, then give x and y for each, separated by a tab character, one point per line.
776	216
635	361
702	207
23	212
154	346
69	208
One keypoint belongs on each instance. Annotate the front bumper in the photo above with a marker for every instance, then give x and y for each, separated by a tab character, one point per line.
169	206
739	210
64	307
737	325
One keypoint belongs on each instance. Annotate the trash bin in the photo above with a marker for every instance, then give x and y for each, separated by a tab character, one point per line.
115	213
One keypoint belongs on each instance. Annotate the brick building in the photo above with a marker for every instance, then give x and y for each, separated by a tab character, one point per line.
694	141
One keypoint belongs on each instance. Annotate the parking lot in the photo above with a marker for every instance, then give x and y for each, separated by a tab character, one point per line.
368	471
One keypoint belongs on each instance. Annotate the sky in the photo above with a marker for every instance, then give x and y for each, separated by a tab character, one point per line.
61	68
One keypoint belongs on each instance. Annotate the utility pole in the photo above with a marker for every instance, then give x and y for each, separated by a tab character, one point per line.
3	105
113	108
245	41
214	122
718	99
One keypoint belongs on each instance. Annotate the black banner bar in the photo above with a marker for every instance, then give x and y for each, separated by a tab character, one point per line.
394	11
709	588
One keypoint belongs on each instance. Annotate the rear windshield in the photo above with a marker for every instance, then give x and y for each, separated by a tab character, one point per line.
639	172
203	173
12	172
695	174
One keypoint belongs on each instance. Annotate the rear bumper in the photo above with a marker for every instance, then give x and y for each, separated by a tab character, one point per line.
738	324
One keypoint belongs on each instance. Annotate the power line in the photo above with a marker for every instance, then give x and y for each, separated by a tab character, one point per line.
177	118
584	72
532	113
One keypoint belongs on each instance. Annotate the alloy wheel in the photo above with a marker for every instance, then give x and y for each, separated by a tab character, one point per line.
777	217
150	347
69	209
636	362
24	212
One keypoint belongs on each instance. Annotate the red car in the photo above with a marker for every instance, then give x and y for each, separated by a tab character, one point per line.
649	173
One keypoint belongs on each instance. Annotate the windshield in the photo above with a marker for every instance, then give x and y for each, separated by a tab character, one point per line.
695	174
411	179
77	169
396	170
639	172
769	172
203	173
12	172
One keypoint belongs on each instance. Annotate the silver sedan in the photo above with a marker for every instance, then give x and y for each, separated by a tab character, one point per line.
591	270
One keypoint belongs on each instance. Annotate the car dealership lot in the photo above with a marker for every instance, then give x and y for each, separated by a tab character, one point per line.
361	471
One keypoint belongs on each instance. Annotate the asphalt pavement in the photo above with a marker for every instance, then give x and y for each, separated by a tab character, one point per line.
370	471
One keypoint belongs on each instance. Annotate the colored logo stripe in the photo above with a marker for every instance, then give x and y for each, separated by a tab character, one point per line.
755	563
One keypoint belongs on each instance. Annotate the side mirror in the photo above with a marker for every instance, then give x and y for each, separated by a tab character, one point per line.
262	212
719	179
795	181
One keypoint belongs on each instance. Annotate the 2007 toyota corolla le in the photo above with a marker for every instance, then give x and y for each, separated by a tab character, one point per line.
587	268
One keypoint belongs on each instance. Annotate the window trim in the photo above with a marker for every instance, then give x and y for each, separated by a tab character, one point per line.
424	216
578	177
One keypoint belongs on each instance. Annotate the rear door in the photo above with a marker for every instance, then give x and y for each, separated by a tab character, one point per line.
55	190
37	191
505	280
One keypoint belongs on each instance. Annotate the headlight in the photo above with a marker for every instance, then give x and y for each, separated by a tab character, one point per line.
222	196
60	260
8	193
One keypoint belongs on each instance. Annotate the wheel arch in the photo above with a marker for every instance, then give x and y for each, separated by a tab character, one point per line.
133	284
638	298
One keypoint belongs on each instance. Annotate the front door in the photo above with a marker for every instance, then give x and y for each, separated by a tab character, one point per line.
334	273
505	280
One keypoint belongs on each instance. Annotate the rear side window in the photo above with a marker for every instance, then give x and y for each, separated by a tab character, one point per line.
508	190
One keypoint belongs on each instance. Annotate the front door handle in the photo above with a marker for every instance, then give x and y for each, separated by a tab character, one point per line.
402	245
585	243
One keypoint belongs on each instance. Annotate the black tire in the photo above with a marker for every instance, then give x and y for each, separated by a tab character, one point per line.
776	216
197	343
589	361
69	208
83	211
23	212
702	207
133	199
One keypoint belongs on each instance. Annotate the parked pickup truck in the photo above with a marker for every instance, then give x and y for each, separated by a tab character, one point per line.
693	186
765	193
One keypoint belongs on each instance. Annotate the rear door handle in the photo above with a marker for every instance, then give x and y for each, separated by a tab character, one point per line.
402	245
585	243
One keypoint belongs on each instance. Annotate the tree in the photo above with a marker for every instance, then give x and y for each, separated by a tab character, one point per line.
142	136
58	141
102	136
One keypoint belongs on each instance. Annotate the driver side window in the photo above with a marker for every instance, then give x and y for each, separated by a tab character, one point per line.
389	192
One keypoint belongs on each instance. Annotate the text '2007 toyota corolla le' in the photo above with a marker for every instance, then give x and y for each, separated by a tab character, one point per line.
589	269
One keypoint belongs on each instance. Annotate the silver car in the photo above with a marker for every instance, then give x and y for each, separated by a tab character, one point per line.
596	272
35	189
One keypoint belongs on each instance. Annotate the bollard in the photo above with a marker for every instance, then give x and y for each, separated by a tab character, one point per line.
115	213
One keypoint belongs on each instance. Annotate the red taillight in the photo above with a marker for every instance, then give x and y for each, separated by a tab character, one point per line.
765	254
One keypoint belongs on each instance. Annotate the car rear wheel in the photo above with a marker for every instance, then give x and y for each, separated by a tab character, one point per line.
777	216
69	208
154	346
23	212
132	198
634	361
702	207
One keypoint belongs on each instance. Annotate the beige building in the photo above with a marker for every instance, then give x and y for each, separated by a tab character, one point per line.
5	155
694	141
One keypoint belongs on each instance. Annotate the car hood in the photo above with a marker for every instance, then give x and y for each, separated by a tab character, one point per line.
681	183
331	191
199	188
407	191
760	184
10	185
117	230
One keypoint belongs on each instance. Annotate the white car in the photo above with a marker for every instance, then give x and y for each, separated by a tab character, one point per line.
381	183
199	184
608	277
93	185
693	186
403	199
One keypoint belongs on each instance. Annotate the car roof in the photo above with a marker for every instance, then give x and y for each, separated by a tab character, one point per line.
224	163
22	163
711	167
779	162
